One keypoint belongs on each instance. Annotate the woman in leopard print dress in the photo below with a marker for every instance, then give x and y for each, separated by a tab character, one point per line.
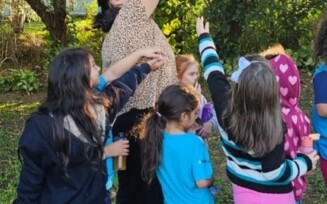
129	27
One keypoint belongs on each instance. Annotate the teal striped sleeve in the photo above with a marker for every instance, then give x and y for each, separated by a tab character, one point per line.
209	56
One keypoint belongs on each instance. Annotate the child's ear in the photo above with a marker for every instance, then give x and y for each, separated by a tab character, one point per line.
184	117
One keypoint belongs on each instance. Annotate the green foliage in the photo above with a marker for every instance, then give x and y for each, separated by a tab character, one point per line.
80	33
12	117
242	27
302	57
26	81
177	20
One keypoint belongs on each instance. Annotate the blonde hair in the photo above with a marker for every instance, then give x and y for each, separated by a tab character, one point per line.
272	51
183	62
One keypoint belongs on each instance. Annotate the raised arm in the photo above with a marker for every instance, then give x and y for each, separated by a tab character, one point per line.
116	70
150	6
213	69
123	88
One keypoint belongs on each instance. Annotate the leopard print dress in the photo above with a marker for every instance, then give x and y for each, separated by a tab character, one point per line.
133	30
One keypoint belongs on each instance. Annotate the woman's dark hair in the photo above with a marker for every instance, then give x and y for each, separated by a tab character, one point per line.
70	94
320	40
172	102
106	16
253	118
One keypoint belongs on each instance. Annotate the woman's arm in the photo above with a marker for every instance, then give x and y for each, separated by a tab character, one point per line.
116	70
123	88
150	6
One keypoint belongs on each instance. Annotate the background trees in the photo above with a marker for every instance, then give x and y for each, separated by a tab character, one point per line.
237	26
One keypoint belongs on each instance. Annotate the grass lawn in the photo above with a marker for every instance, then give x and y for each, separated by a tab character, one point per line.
15	108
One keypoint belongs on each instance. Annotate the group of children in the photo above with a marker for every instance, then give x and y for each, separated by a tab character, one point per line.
66	142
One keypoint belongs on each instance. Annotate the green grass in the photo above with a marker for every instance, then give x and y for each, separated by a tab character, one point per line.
12	117
34	27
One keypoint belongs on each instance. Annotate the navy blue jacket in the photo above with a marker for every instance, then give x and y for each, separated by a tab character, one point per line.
42	179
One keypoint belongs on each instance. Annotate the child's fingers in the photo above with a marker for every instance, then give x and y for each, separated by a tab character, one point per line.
206	27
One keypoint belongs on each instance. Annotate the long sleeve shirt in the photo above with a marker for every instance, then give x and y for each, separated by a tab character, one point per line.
269	174
42	178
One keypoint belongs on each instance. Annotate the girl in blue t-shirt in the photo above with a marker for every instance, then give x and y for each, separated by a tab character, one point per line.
179	158
319	109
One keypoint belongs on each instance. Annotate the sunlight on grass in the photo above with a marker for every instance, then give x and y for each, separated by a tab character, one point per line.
9	165
13	110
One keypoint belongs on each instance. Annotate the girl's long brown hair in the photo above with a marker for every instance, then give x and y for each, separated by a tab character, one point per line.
253	118
70	93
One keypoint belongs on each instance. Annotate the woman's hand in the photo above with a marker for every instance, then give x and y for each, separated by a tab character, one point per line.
118	148
201	27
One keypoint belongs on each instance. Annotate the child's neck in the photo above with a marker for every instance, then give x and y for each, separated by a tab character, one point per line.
173	127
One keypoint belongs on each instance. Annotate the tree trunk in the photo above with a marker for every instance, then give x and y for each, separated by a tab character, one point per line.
54	19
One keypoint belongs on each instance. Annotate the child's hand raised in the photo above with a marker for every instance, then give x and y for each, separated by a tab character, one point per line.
150	52
198	89
157	62
201	27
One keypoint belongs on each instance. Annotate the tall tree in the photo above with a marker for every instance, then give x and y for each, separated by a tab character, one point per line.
53	16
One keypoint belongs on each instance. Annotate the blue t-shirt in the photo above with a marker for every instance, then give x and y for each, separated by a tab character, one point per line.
320	96
185	160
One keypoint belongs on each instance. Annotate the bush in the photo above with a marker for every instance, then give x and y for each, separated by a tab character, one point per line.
177	20
26	81
242	27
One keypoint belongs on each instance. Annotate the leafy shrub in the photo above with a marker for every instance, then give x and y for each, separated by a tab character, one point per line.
242	27
26	81
177	20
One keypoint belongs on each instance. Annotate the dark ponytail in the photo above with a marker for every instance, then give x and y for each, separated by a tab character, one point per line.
106	15
151	147
172	102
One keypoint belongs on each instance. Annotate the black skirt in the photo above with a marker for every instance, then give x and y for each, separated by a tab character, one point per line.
132	189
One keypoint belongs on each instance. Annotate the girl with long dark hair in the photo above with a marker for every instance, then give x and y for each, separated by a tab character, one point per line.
251	127
62	146
169	150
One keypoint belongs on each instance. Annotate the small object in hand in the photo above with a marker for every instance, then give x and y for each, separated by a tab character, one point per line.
314	136
120	161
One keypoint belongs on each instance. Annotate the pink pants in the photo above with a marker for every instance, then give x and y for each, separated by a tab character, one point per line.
246	196
323	167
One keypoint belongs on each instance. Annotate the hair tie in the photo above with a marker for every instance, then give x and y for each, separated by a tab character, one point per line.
157	112
243	63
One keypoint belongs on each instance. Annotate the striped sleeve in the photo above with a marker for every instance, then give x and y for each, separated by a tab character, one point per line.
209	56
214	74
276	167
